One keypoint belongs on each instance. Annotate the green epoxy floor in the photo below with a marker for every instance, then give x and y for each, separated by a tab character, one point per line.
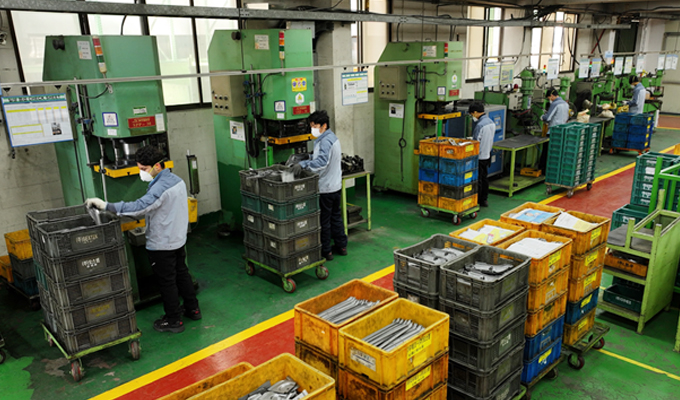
232	301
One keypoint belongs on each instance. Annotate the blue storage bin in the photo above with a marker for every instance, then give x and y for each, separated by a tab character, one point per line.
454	167
534	367
620	127
580	308
619	144
429	162
618	135
459	179
428	175
639	129
622	118
641	119
637	145
546	337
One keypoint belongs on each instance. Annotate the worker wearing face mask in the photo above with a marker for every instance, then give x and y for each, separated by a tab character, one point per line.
636	105
326	161
165	209
557	114
483	132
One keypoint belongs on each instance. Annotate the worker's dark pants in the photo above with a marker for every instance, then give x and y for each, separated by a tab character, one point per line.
331	222
544	158
173	280
483	180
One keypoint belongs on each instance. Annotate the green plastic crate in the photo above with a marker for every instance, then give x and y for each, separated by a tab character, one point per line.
624	296
627	212
292	209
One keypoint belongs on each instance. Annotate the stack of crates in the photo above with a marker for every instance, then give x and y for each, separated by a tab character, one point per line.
572	154
6	269
21	260
643	180
585	273
548	283
487	319
281	220
448	174
633	131
83	277
418	280
416	369
316	339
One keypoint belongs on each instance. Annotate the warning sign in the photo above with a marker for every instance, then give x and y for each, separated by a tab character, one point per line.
298	84
141	122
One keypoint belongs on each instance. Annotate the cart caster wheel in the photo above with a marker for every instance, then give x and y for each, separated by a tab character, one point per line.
548	190
599	344
76	371
2	356
425	212
570	193
611	151
527	396
135	350
250	269
289	285
473	215
456	220
576	361
322	272
589	186
552	374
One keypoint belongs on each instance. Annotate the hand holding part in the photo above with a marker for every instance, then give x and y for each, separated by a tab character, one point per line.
95	202
297	168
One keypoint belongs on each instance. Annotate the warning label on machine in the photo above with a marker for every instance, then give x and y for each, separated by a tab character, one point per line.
298	84
141	122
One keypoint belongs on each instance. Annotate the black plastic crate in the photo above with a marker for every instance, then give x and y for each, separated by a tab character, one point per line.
288	247
251	220
76	267
416	296
88	289
250	182
420	274
253	238
273	189
480	294
78	235
254	254
483	325
93	312
287	229
294	262
83	339
250	202
505	391
34	218
458	192
482	383
24	267
486	355
29	286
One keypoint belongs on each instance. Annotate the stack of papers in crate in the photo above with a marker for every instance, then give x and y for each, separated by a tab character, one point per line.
568	221
534	248
531	215
486	234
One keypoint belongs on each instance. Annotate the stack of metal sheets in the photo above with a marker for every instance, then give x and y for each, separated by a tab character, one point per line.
394	334
347	309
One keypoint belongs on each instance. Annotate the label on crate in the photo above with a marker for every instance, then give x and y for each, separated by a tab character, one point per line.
272	226
467	188
301	187
301	206
362	358
87	239
302	261
503	394
93	288
272	244
509	284
467	202
591	257
413	298
504	343
251	219
419	377
590	279
544	356
302	224
90	263
101	310
270	207
468	175
583	324
595	235
418	346
506	314
586	301
302	243
554	259
469	148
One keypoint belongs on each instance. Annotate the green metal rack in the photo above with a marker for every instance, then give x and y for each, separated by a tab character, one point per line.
677	339
659	246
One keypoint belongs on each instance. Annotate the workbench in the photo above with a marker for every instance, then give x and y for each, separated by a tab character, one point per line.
343	205
512	183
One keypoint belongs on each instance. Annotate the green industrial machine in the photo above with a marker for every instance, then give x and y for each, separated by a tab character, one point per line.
111	122
411	102
260	118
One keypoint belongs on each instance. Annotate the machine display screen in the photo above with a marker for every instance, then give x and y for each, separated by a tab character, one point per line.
37	119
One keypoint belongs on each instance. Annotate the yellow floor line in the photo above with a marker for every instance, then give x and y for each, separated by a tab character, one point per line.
213	349
639	364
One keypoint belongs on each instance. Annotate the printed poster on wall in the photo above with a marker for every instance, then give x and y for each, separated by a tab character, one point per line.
662	61
492	74
37	119
507	74
618	66
237	131
628	65
669	62
584	68
396	110
595	68
640	64
608	57
354	88
553	68
675	62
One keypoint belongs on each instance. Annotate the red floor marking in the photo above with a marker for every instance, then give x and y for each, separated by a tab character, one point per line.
603	199
669	121
255	350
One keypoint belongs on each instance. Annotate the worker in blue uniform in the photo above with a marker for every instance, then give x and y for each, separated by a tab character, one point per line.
327	162
636	105
483	132
557	114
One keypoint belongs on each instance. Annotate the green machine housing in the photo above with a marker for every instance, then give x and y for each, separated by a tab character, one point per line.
410	98
260	118
111	122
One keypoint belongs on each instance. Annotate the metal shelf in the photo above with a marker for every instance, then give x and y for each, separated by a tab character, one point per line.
624	275
616	310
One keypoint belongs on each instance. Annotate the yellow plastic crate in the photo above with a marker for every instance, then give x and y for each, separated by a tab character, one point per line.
19	244
388	369
576	332
6	269
480	224
550	289
319	385
458	206
321	361
580	265
579	288
323	335
583	241
208	383
428	188
538	320
505	217
428	200
447	150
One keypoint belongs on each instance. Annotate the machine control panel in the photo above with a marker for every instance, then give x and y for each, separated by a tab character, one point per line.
515	101
228	98
392	83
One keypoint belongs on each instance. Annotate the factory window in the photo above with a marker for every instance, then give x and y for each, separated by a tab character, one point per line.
558	42
482	41
114	24
374	37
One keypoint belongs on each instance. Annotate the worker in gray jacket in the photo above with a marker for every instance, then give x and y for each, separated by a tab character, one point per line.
326	161
636	105
165	208
557	114
483	132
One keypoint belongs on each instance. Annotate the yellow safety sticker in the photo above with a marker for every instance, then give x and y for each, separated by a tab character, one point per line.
555	258
468	175
417	347
544	356
419	377
466	202
591	257
583	324
590	279
586	301
595	235
467	188
469	148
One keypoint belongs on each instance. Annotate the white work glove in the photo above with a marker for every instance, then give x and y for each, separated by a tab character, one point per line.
625	103
95	202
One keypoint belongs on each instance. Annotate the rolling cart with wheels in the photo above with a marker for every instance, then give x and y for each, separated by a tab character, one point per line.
77	370
570	189
33	299
616	150
426	211
2	352
288	283
549	373
591	340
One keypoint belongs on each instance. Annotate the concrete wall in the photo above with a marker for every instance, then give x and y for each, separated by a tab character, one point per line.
671	79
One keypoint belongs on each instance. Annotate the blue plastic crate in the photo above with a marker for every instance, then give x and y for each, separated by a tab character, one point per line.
547	336
542	361
28	286
637	145
619	144
428	175
641	119
622	118
459	179
622	136
580	308
621	127
454	167
640	129
428	162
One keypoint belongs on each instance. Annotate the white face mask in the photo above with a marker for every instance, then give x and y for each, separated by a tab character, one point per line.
316	132
145	176
475	119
